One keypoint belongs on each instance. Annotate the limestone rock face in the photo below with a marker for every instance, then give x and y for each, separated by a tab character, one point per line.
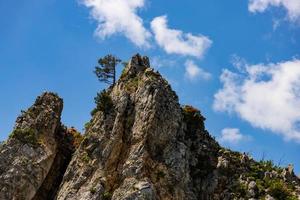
140	144
145	147
28	155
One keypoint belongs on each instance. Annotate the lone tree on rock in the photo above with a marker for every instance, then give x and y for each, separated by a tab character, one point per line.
106	71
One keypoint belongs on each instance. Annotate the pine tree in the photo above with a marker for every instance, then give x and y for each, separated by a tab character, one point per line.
106	71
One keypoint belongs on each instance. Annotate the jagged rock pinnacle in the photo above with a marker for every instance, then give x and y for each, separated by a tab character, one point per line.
45	112
137	64
33	146
140	144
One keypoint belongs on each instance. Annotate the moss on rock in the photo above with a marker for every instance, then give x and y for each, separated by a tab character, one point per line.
132	85
27	136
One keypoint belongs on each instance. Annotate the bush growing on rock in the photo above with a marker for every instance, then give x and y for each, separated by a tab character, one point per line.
103	102
25	135
279	190
132	85
77	137
107	196
193	116
87	125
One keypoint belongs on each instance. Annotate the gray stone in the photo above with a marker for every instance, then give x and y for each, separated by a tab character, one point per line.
23	165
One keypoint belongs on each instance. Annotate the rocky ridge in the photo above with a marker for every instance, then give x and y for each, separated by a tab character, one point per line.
139	144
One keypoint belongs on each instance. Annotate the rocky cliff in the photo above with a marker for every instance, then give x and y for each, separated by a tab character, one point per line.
139	144
34	158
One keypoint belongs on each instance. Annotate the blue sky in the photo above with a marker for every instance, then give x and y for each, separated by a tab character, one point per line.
237	61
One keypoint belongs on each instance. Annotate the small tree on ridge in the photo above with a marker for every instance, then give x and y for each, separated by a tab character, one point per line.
106	71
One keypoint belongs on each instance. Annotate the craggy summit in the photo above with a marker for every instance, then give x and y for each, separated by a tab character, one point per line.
139	144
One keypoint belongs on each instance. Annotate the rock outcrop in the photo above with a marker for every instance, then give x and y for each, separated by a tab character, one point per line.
143	145
140	144
142	148
38	149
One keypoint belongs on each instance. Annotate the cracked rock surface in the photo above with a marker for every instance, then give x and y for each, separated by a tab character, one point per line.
28	156
140	144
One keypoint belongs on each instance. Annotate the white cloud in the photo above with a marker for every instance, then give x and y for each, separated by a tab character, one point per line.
292	7
237	61
232	136
267	96
119	16
193	72
159	61
176	42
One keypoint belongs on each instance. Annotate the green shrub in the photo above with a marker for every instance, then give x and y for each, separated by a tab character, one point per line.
107	196
85	157
279	190
240	190
27	136
93	112
260	185
93	190
193	117
103	102
268	165
87	125
132	85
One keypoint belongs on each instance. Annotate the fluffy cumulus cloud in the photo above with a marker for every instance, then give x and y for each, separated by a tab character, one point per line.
119	16
174	41
193	72
267	96
292	7
232	136
160	61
